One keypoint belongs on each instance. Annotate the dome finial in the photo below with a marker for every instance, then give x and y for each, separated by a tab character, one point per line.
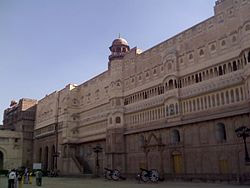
119	36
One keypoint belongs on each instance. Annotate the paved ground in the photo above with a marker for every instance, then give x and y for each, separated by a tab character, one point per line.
100	183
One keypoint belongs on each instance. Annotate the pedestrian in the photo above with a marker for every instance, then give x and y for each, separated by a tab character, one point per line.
16	180
26	176
20	180
12	177
39	178
30	178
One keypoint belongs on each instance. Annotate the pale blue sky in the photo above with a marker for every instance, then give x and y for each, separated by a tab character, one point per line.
46	44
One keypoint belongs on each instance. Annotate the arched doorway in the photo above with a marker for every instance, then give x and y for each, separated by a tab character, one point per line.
53	152
40	155
1	160
46	158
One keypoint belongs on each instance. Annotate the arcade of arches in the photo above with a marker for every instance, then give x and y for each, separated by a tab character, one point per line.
47	157
1	160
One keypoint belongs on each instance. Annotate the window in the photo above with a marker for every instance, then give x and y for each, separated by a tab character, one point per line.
181	60
212	47
171	84
190	57
171	108
237	95
169	66
232	95
223	43
139	78
221	132
234	39
248	58
201	52
118	49
118	120
247	27
162	68
175	137
154	71
220	71
234	66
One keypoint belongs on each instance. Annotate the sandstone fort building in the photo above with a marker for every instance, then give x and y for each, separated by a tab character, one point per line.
173	107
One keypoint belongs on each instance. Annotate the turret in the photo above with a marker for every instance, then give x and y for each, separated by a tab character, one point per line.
118	49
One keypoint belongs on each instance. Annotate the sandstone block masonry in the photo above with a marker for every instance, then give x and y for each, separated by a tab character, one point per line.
173	107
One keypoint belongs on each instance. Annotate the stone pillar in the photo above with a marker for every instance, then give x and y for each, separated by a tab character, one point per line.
115	149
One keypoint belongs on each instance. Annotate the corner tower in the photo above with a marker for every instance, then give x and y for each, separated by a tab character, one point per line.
118	49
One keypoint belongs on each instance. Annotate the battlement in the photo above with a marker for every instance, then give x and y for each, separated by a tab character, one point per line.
222	6
219	2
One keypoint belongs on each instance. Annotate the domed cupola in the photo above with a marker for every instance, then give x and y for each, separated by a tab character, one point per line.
118	49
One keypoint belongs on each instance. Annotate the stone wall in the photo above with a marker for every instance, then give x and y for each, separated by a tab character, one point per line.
11	147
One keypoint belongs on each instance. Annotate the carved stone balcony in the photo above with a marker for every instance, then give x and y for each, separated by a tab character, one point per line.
214	84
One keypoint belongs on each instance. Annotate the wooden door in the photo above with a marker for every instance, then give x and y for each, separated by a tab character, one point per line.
177	164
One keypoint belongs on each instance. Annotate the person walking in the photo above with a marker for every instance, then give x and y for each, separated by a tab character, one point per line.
26	176
39	178
30	178
12	177
16	185
19	177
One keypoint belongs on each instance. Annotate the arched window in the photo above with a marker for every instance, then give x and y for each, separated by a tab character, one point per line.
169	66
248	58
218	99
221	135
220	71
232	96
223	43
201	52
247	27
190	106
117	119
234	39
227	97
222	98
118	49
205	102
176	108
209	101
171	84
237	95
234	66
213	47
1	160
196	78
191	56
230	67
175	137
166	110
171	109
213	100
